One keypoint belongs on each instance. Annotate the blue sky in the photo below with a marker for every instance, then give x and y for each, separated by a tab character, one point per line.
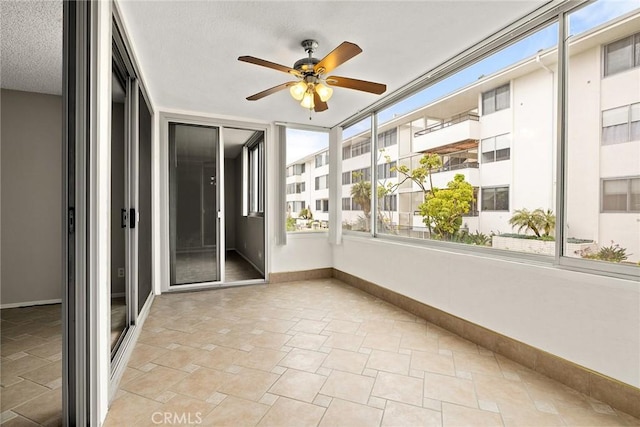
305	142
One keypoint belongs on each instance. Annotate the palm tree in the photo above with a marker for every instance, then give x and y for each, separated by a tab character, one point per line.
522	218
545	220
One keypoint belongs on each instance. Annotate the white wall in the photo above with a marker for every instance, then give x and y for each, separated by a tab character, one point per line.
303	251
591	320
31	198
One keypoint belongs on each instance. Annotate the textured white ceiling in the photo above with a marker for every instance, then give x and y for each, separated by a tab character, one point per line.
188	50
31	58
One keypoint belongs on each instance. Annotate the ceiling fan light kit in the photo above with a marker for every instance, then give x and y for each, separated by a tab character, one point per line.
312	89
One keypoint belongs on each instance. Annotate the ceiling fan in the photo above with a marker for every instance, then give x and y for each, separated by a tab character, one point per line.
312	87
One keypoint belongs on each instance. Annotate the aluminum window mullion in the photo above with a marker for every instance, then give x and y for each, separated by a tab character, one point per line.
374	174
561	156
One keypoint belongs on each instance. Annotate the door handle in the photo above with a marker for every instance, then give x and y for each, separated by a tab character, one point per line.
123	218
132	218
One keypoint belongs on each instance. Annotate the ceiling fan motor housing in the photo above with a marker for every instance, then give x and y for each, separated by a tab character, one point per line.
306	65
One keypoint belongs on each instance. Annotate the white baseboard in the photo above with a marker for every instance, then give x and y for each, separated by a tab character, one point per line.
30	303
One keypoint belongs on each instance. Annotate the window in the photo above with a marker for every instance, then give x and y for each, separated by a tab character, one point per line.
346	152
360	175
388	138
385	170
322	182
356	177
360	148
305	150
622	55
256	177
621	195
389	203
495	198
495	99
346	178
295	207
294	170
496	148
621	124
322	159
322	205
295	188
346	203
602	165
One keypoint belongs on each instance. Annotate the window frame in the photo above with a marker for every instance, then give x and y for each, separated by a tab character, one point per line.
494	93
635	58
255	176
550	14
628	124
628	195
495	189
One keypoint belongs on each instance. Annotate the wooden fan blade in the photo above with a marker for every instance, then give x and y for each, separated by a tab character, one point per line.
320	105
268	64
269	91
363	85
336	57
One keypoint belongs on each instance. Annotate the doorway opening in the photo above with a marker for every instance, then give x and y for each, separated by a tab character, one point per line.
216	205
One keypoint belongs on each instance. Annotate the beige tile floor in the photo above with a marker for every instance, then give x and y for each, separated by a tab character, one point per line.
323	353
31	366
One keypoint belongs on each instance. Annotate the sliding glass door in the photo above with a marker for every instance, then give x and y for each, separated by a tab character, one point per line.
194	203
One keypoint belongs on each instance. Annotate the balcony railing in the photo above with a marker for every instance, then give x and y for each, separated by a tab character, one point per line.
450	122
466	165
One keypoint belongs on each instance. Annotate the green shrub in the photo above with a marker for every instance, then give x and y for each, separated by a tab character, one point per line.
613	253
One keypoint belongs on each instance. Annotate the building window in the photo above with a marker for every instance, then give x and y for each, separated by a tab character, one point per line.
388	138
322	205
496	148
296	207
621	124
294	170
360	148
346	203
622	55
389	203
621	195
346	178
360	175
496	99
322	159
387	170
295	188
256	178
346	152
495	198
321	182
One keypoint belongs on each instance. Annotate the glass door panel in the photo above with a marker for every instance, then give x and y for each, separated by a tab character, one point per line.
209	205
193	196
119	211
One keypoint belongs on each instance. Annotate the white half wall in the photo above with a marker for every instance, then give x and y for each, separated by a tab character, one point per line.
303	251
591	320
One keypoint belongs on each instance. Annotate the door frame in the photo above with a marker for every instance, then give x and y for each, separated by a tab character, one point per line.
219	165
166	117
